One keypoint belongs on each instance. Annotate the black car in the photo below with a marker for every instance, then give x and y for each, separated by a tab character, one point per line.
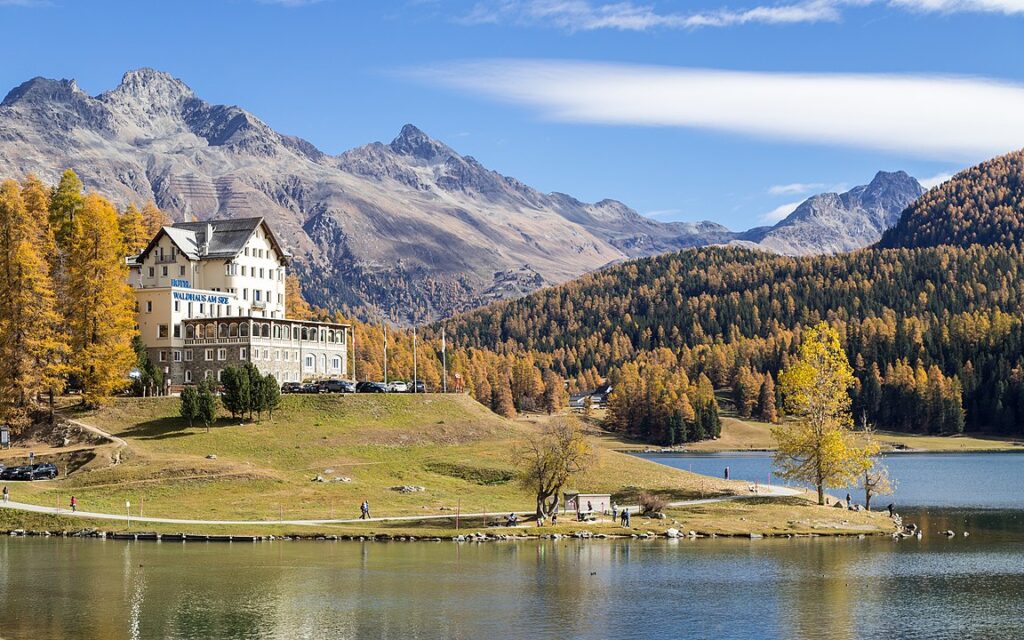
419	387
16	473
43	471
311	387
337	386
291	387
371	387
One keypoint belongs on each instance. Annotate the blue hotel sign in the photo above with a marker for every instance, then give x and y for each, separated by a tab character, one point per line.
200	297
184	284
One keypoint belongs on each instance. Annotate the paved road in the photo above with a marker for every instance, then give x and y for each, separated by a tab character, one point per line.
21	506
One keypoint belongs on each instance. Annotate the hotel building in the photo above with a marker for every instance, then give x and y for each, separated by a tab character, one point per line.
212	294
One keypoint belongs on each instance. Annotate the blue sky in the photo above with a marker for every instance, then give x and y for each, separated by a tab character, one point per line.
728	111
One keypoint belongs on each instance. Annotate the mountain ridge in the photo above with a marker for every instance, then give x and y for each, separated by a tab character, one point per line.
408	230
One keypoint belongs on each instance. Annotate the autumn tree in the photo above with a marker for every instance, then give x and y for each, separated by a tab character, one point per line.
550	458
874	476
133	233
29	323
555	395
766	401
818	447
153	219
100	314
297	307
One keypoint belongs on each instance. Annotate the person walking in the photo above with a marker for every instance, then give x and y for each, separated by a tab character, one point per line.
615	512
74	504
625	514
892	508
7	493
727	473
849	501
364	510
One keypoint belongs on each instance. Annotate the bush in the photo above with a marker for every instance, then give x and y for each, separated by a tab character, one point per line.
651	503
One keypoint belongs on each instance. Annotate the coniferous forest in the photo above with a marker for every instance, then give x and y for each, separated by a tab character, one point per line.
933	328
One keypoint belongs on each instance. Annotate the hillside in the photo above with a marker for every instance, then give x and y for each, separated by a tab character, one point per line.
981	205
448	444
411	229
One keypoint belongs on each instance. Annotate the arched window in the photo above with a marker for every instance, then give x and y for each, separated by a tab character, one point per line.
223	330
310	362
330	336
190	332
211	330
243	330
323	363
207	374
336	363
233	330
305	333
188	376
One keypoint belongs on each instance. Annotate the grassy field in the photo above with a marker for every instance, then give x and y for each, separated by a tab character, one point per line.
361	446
462	454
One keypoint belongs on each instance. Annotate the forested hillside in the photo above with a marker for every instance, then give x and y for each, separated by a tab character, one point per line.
982	205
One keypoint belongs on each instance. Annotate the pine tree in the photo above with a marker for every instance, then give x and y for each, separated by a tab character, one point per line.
189	406
237	395
271	394
207	404
99	307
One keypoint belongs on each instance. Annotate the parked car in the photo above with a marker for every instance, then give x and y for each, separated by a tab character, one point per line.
43	471
371	387
420	387
291	387
310	387
16	473
337	386
398	386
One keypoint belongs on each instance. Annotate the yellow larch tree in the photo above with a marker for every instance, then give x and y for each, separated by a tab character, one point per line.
294	304
101	318
29	322
133	231
817	447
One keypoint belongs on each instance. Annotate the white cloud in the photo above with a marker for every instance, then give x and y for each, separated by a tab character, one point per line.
794	188
935	180
586	15
941	117
779	212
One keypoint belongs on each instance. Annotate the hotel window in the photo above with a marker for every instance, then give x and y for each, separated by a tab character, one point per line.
336	363
241	353
208	355
207	374
190	309
202	308
266	354
188	376
149	306
163	271
177	331
309	362
277	355
218	374
181	270
177	306
246	253
163	356
243	269
188	355
245	294
222	354
152	272
161	331
177	356
280	299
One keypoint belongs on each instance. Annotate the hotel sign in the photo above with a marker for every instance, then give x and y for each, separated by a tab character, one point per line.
183	284
201	297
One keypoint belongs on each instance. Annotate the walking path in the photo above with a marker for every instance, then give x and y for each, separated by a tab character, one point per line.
770	491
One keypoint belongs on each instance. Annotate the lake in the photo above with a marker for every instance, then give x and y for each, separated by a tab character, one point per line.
802	588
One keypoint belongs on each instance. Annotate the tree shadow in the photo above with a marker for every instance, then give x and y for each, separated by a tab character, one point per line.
171	427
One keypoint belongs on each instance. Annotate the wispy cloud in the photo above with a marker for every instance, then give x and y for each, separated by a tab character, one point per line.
935	180
587	15
779	212
664	214
795	188
941	117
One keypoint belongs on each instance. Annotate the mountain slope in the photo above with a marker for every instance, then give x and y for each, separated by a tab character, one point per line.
980	205
411	228
837	222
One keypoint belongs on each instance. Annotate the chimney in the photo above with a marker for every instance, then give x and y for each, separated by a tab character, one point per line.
205	249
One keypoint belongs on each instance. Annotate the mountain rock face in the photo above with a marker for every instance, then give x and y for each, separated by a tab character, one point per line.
837	222
409	230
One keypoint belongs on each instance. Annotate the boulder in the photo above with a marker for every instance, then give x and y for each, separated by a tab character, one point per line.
211	456
672	533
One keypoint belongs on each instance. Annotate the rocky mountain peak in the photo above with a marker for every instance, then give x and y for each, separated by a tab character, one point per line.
150	91
412	141
39	90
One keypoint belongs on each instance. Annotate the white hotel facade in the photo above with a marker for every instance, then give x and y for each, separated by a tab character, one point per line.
212	294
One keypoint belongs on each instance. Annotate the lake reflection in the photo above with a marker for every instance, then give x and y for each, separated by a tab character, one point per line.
803	588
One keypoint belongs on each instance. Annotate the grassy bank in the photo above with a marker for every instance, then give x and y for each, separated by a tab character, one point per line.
361	446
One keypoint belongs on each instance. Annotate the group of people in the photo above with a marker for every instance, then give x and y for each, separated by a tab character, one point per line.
364	510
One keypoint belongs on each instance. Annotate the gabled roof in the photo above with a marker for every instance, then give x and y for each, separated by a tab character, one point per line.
228	239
